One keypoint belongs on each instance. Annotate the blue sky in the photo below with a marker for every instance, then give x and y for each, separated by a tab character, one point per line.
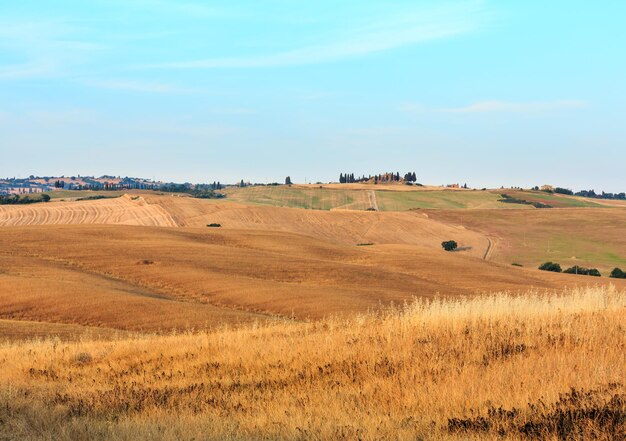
485	92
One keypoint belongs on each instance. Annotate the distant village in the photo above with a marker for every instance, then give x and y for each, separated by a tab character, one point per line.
41	184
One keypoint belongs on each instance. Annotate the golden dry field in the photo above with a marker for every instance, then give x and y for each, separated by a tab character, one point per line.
173	268
124	210
104	263
129	318
529	367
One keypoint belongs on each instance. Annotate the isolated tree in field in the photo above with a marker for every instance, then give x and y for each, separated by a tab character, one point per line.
288	180
449	245
617	273
551	266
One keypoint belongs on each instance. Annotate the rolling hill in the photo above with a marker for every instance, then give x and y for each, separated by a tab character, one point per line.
148	262
590	237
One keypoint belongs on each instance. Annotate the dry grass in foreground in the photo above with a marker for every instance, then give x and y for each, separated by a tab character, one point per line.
531	367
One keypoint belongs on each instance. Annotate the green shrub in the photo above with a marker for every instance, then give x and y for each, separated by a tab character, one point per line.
566	191
100	196
583	271
550	266
449	245
23	199
214	225
617	273
508	199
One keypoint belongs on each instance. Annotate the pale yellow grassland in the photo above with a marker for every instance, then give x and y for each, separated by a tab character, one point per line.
425	370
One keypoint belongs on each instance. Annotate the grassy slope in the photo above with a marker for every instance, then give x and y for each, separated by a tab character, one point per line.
586	237
393	198
300	197
390	198
554	200
443	199
75	194
490	369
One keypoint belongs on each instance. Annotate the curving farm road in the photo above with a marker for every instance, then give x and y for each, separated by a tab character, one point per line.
373	201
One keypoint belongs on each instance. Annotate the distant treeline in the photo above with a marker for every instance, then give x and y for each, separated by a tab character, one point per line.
348	178
187	187
96	197
554	267
201	191
590	194
17	199
125	184
603	195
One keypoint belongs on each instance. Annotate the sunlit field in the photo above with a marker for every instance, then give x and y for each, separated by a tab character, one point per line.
535	366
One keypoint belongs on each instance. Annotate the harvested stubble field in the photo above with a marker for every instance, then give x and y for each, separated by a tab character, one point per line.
498	367
104	263
126	210
147	278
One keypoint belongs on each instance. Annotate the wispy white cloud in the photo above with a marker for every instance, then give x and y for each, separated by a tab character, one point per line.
413	108
233	111
45	36
413	27
498	107
48	47
91	119
61	116
314	95
508	106
194	9
31	69
140	86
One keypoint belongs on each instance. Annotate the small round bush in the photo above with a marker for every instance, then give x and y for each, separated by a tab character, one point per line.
550	266
449	245
617	273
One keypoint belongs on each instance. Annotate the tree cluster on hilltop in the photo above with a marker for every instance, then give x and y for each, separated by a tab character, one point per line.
201	191
582	193
348	178
602	195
